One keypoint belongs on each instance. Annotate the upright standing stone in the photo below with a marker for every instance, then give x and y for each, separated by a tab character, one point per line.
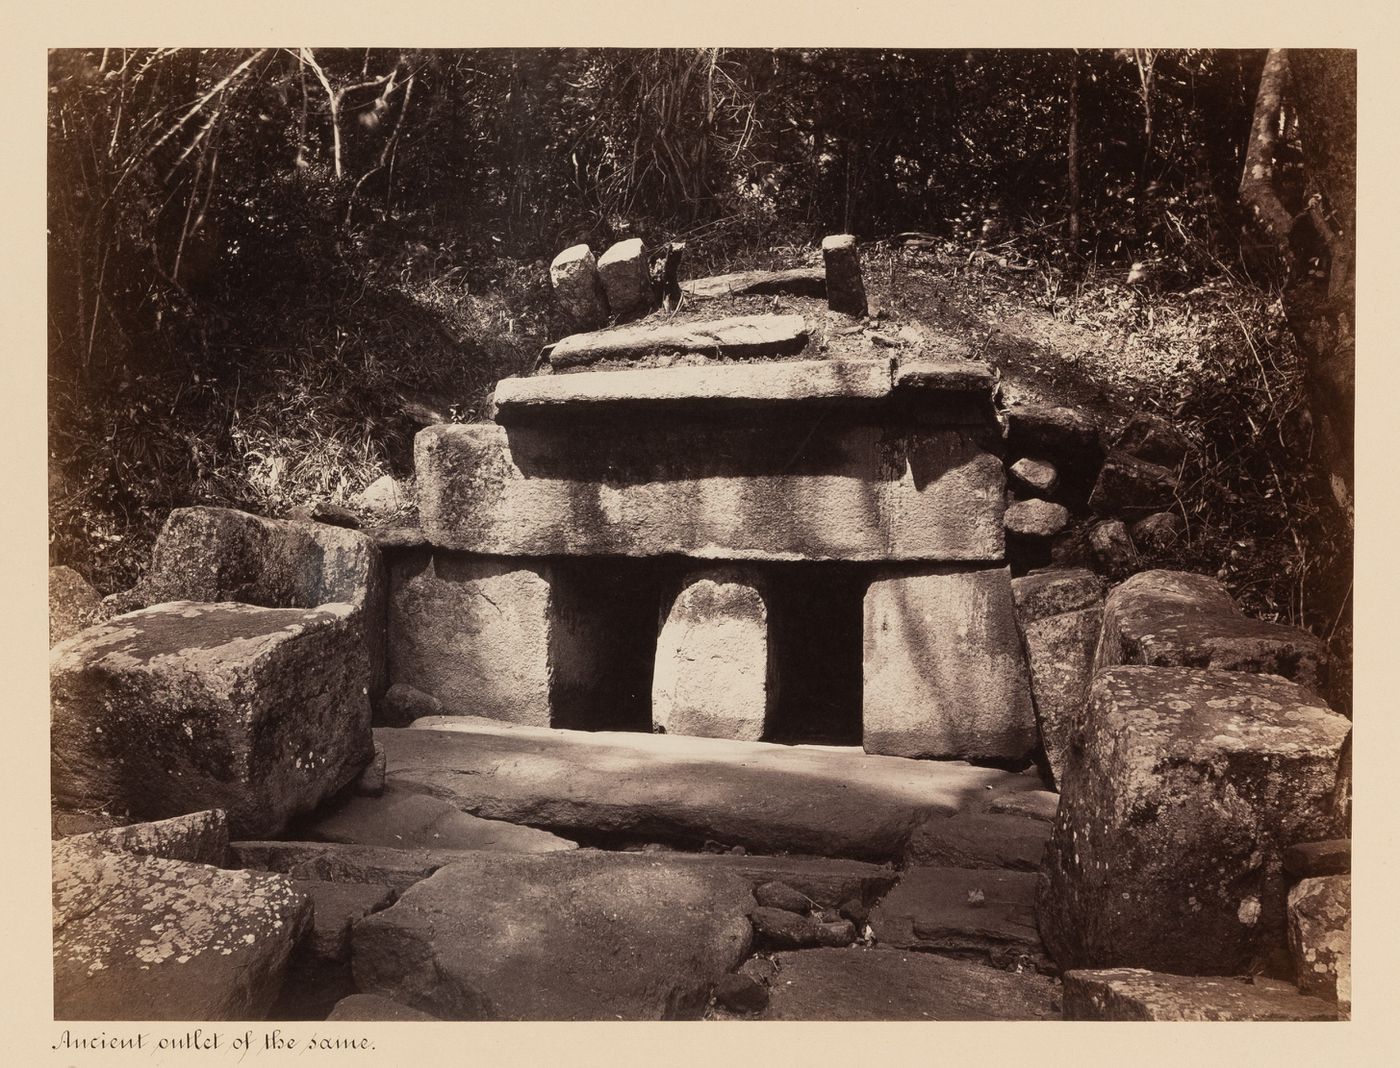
577	288
623	271
845	289
1060	613
712	658
1319	934
945	674
474	633
1186	788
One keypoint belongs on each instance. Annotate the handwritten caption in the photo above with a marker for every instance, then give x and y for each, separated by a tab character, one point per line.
204	1039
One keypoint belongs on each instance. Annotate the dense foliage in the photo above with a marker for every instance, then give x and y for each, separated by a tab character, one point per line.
257	256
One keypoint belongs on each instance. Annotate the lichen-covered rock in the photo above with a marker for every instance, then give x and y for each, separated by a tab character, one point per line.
181	707
1128	486
560	936
145	938
220	554
1139	994
1060	612
73	604
1319	935
1173	618
712	672
198	837
1038	476
577	287
1183	791
1113	548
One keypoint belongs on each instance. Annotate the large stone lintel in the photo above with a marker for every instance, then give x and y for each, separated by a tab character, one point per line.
782	490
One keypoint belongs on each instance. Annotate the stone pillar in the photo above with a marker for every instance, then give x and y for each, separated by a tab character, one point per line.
845	290
574	276
623	269
712	674
945	674
474	632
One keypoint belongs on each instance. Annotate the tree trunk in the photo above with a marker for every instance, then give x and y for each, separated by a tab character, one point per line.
1072	151
1257	190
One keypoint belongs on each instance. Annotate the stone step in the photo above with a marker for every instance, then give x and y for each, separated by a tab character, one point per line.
797	282
734	337
769	798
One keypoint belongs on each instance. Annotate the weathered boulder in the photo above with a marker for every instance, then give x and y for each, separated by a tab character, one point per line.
776	895
712	674
626	282
181	707
145	938
980	840
1159	532
1150	437
382	497
1128	486
1038	476
73	604
960	910
220	554
577	288
1113	548
1138	994
945	674
887	984
371	1008
1185	788
845	289
1035	518
406	820
198	837
1060	612
643	786
564	936
402	703
1169	618
1319	936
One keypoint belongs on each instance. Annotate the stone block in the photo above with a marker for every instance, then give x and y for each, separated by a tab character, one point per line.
845	289
1139	994
473	633
626	283
989	840
1319	936
1154	439
145	938
198	837
798	282
735	337
1169	618
713	666
1038	476
1185	787
1061	615
577	287
1036	519
775	490
945	674
182	707
1113	548
1131	487
1159	532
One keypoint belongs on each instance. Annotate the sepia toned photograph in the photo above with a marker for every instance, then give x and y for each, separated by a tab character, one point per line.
700	533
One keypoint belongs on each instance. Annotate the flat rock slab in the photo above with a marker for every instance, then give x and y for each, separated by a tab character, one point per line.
1136	994
981	840
768	798
960	910
735	337
796	383
886	984
404	820
183	707
326	861
797	282
827	881
1174	618
144	938
768	489
563	936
